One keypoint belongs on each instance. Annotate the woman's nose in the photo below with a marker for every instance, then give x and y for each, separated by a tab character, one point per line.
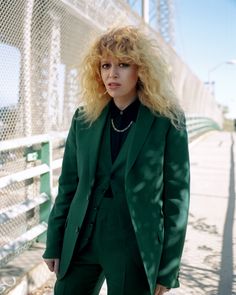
113	73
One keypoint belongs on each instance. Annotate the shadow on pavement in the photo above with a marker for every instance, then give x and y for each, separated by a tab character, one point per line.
226	268
201	280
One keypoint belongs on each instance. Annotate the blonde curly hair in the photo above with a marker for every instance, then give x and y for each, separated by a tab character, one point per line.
154	87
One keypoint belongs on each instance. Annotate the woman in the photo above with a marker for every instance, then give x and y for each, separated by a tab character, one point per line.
122	206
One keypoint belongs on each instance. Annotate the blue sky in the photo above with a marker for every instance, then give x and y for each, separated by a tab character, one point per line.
9	74
205	37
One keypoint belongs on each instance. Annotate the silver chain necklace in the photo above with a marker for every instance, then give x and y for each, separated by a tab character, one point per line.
120	130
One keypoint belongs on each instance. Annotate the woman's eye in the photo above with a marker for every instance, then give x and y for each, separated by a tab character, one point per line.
105	66
123	65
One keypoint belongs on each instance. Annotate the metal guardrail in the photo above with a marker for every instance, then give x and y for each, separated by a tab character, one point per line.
42	201
196	126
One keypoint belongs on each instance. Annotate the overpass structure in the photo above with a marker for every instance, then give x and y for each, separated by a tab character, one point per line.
43	39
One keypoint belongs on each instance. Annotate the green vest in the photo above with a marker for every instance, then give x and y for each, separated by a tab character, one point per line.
108	176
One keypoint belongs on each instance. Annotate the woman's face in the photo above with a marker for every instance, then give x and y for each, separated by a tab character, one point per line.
119	77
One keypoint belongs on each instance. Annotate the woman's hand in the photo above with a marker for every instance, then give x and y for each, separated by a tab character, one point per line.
53	264
160	290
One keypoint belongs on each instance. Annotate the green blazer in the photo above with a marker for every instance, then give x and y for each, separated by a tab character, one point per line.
156	185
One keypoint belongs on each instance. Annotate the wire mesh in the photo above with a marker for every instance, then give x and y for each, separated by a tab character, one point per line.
40	42
40	45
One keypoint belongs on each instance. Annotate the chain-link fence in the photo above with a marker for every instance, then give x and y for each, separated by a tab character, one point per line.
40	42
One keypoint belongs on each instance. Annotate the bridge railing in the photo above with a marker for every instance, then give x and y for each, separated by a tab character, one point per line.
198	125
24	214
27	217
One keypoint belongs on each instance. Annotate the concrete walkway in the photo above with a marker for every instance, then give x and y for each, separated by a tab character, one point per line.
208	265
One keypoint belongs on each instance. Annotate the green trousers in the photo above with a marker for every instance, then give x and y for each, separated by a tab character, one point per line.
111	253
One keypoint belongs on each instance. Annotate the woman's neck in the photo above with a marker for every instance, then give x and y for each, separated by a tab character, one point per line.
123	104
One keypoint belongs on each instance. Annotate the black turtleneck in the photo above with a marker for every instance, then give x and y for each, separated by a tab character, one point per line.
121	119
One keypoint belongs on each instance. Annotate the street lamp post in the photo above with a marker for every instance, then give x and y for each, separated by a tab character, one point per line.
229	62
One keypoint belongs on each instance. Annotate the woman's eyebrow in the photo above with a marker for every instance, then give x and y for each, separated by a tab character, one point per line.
118	61
104	61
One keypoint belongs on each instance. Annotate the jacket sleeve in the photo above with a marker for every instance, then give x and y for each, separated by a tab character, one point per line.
175	205
68	182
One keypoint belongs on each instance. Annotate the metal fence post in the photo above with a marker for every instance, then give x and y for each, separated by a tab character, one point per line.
46	184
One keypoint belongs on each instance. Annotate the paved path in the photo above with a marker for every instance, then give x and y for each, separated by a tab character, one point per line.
208	266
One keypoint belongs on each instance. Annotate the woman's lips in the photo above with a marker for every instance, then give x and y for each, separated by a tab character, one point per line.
113	85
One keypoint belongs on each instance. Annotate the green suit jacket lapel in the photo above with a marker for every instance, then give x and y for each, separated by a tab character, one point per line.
95	135
142	127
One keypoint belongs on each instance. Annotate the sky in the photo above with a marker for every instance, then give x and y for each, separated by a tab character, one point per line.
205	38
9	74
